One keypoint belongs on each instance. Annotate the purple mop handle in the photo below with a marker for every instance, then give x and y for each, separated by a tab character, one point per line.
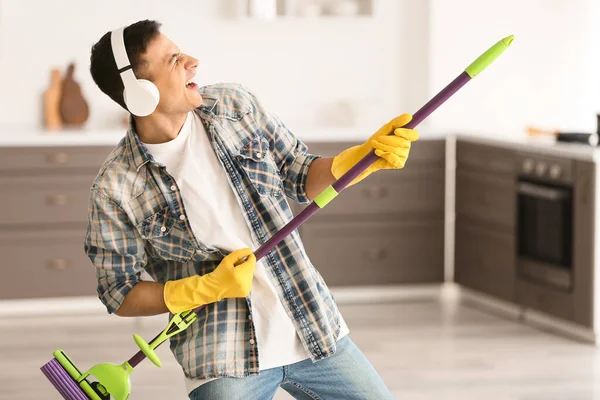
362	165
342	182
359	167
482	62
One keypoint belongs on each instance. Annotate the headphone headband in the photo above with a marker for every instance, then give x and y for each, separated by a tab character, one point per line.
117	41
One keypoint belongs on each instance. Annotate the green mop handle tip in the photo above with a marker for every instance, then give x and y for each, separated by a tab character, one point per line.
489	56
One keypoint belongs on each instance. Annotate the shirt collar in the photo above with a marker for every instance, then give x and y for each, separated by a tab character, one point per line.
139	154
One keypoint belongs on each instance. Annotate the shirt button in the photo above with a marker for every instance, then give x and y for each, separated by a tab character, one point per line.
173	187
162	229
258	155
251	341
182	217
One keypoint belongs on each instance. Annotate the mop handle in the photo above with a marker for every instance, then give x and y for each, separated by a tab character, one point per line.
360	167
340	184
469	73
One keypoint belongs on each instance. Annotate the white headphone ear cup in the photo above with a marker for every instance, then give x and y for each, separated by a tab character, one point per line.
141	98
152	89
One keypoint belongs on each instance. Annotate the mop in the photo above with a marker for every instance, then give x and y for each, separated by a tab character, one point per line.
113	379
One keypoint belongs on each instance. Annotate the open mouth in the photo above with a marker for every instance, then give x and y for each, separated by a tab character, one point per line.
190	84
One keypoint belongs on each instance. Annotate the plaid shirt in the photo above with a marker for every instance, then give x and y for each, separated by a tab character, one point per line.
137	223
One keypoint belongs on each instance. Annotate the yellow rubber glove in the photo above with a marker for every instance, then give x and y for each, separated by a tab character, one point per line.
393	150
226	281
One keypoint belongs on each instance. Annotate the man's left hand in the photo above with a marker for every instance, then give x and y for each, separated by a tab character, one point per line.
392	150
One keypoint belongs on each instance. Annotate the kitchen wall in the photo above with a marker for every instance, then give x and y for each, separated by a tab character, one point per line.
550	77
303	69
317	72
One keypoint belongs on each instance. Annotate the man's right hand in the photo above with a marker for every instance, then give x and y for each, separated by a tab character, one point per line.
231	279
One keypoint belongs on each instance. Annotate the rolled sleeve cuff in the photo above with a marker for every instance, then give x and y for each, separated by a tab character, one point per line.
304	161
113	293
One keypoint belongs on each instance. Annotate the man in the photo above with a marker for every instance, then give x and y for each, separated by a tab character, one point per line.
187	193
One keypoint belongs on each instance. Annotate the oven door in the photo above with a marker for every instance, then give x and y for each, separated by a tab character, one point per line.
545	233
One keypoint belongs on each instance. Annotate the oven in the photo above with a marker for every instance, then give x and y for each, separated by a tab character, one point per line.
545	221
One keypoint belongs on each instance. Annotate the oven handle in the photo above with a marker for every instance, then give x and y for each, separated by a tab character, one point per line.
542	192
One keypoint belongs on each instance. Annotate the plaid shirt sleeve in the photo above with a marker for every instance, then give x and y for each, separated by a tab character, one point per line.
115	248
290	153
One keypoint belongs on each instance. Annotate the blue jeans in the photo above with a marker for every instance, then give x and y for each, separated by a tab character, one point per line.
346	375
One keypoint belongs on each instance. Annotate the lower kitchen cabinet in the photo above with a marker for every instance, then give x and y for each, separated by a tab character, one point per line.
525	228
43	217
39	200
484	256
546	299
351	253
485	259
45	263
573	302
486	196
388	228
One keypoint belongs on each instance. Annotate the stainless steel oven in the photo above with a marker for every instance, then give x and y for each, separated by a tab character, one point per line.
545	221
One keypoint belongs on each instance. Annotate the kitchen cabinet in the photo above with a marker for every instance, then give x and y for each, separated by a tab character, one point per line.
43	216
485	259
574	303
585	245
388	229
485	219
525	226
45	262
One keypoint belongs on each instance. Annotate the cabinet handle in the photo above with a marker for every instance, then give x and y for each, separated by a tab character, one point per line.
375	192
58	158
375	254
57	200
59	264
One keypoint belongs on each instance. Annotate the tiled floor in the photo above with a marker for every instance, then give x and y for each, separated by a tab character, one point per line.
423	350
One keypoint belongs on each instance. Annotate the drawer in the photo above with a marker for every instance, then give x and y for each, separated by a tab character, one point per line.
546	299
389	192
45	264
351	253
486	197
51	159
485	260
485	157
428	152
50	200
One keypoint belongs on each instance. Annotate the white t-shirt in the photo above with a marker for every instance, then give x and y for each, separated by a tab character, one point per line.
216	219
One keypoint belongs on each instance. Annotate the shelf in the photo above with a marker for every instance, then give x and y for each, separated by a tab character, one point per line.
309	10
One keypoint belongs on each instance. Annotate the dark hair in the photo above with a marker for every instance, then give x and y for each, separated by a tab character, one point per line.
102	62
